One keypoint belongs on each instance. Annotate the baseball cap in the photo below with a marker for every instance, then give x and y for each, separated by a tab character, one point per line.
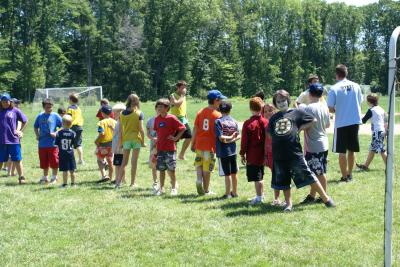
316	88
225	107
312	76
106	109
215	94
16	101
5	97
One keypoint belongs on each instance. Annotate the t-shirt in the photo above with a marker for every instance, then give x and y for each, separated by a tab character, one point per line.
166	126
315	138
114	145
130	125
205	129
9	119
377	116
107	127
227	126
284	130
65	140
346	97
76	115
150	127
253	140
99	115
47	124
179	112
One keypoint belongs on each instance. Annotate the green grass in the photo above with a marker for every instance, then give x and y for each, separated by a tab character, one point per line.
94	225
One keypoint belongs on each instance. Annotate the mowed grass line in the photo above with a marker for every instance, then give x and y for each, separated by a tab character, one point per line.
94	225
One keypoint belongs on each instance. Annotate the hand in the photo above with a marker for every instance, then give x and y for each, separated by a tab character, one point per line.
37	137
243	160
19	134
173	138
154	139
53	135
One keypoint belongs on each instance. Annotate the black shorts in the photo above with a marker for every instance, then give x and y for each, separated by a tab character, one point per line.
117	161
317	162
254	173
283	171
227	165
346	138
78	138
187	134
66	162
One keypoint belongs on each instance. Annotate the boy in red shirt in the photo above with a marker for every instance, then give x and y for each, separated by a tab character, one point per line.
99	115
169	130
203	141
252	148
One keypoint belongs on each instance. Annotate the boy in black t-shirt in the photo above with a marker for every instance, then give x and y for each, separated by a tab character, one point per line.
65	140
288	160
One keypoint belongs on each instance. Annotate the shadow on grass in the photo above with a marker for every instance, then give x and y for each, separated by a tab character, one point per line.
45	188
193	198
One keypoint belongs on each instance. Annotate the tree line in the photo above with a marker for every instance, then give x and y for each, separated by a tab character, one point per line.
145	46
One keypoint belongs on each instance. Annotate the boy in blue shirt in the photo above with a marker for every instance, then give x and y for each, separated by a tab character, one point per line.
227	133
45	127
65	140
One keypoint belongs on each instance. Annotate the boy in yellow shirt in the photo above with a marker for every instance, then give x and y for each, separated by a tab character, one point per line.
77	122
104	143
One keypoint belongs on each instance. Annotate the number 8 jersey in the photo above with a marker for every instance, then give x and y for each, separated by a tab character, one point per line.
205	129
65	140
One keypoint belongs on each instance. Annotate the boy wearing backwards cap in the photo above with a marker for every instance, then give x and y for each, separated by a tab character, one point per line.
203	141
10	135
104	143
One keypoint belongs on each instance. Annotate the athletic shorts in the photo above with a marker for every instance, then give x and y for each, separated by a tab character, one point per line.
227	165
67	163
103	152
117	161
78	138
317	162
254	173
10	150
346	138
284	171
166	160
48	157
187	134
378	142
128	145
205	159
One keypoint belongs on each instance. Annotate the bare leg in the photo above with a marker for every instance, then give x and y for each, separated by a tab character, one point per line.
110	167
100	163
134	161
117	170
343	164
72	173
288	198
322	181
234	183
206	181
276	194
154	173
173	179
199	173
318	188
10	168
227	185
13	167
384	157
369	159
350	161
259	185
162	181
46	172
125	160
54	172
65	177
80	153
185	146
18	166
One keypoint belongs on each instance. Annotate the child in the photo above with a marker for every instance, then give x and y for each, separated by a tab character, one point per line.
10	165
227	133
152	135
117	151
131	137
252	148
104	102
316	140
45	128
178	108
288	159
104	143
169	129
61	111
65	140
203	141
77	123
270	110
378	129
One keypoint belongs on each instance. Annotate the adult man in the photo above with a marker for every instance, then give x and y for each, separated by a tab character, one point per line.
345	99
178	108
303	97
10	135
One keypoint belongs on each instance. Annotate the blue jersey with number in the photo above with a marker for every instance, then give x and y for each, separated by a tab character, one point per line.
65	141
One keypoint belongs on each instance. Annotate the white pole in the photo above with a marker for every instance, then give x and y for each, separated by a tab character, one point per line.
101	92
47	93
390	149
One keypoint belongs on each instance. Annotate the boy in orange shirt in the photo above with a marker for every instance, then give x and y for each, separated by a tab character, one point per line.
203	141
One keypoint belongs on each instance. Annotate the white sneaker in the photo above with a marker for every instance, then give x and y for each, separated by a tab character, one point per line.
276	202
174	192
53	180
159	193
155	186
210	193
43	180
256	201
133	186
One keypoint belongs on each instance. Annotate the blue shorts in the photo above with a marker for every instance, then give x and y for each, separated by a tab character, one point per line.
13	151
66	163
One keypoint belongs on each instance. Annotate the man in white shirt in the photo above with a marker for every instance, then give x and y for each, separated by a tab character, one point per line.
345	99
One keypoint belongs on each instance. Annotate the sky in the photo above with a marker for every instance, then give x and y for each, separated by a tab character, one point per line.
354	2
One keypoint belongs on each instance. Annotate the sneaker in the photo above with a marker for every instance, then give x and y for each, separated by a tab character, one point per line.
64	186
330	204
155	186
362	167
73	184
160	192
117	186
256	201
234	195
209	193
103	180
308	200
174	192
349	178
200	189
319	200
343	179
288	208
276	202
133	186
43	180
227	196
21	180
53	180
113	182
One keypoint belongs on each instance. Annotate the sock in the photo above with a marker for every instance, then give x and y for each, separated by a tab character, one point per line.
259	198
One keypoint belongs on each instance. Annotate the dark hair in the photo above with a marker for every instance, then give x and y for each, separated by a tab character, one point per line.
181	83
104	101
74	98
61	111
211	101
225	107
315	93
373	99
282	93
341	71
256	104
133	100
164	102
260	94
47	101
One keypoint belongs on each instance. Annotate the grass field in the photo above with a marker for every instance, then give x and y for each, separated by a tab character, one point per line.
95	225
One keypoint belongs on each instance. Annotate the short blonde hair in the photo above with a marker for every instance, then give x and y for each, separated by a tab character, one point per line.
67	120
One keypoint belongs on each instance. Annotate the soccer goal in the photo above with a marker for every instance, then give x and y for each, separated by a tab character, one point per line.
88	96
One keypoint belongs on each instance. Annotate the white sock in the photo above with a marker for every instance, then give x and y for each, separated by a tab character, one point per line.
259	198
54	177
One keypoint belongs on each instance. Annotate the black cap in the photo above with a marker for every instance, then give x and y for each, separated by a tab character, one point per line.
106	109
225	107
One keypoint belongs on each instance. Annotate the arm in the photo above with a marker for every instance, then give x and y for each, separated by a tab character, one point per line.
36	133
367	116
331	101
141	131
307	125
193	138
243	144
177	102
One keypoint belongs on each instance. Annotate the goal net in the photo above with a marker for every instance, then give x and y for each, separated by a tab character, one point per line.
88	96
